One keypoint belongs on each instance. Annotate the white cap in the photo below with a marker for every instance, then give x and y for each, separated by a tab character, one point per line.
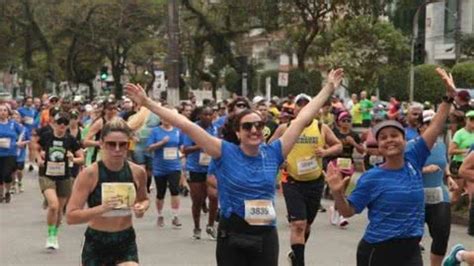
257	99
88	108
302	96
428	115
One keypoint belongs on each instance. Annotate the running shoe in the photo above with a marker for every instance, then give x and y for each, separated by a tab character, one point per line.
8	197
291	257
56	242
211	232
161	221
333	216
197	233
450	259
343	222
51	242
20	187
176	222
322	209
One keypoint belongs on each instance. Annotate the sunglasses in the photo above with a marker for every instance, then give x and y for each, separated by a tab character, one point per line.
63	121
247	126
113	145
346	121
111	108
241	106
302	103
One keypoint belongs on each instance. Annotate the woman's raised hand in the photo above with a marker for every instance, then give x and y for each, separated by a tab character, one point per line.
136	93
335	77
448	81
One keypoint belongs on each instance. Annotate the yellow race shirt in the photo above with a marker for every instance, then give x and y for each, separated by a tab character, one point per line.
302	162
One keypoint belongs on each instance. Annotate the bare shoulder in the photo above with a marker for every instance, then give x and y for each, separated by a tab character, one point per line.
137	170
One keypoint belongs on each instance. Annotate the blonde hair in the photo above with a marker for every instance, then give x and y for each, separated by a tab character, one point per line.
117	124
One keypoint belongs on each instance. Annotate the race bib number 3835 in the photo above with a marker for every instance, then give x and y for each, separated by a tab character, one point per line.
259	212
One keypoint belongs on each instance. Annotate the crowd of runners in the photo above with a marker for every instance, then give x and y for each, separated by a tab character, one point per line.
232	156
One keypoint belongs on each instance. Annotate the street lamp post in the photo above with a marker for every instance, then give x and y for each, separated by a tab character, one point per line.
173	53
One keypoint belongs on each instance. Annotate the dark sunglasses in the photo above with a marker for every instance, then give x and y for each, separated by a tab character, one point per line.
346	121
471	118
63	121
247	126
241	105
112	145
111	108
302	103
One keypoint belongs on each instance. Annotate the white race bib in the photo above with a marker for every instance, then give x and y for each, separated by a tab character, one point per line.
126	194
170	153
433	195
5	143
56	168
375	160
29	120
204	159
307	166
259	212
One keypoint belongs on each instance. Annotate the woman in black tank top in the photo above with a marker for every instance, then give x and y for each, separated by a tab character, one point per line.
113	189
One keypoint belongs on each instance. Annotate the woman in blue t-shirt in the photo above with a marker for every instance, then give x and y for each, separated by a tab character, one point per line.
393	191
165	141
245	176
10	130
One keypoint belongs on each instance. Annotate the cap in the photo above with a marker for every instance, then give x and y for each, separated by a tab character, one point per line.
53	97
428	115
343	115
388	123
88	108
257	99
470	113
464	95
302	96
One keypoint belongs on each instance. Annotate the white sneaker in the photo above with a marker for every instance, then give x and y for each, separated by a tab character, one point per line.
56	243
333	216
211	232
343	222
50	243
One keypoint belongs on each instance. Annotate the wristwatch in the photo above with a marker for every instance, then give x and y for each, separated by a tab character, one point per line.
448	99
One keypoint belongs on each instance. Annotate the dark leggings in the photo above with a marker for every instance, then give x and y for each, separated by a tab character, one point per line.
393	252
438	219
7	166
230	253
471	217
198	189
170	180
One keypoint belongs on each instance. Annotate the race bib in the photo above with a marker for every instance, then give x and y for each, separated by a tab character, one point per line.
5	143
126	195
56	168
307	166
29	120
433	195
259	212
204	159
170	153
375	160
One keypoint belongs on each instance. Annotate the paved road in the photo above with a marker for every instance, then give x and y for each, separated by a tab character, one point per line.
23	235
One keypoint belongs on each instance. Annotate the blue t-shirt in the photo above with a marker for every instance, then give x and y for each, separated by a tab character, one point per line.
241	177
28	114
21	152
434	182
9	133
411	133
192	160
394	198
165	159
220	122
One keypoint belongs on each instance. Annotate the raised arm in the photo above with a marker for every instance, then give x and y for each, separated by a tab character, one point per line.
210	144
437	124
308	112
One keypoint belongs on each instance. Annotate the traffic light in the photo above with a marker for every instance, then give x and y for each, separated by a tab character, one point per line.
104	72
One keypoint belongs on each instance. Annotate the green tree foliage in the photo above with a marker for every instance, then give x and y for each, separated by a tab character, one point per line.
463	74
428	85
467	45
366	50
395	82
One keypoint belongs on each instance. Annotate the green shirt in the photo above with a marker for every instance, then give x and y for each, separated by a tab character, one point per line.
463	139
366	106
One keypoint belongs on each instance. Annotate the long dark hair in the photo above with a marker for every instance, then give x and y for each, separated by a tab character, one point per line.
232	125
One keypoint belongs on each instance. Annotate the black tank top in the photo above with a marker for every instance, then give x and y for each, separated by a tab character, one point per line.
124	175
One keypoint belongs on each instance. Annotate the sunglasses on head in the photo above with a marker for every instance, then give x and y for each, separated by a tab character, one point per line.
63	121
247	126
113	145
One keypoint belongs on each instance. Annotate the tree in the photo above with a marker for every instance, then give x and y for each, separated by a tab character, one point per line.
428	85
304	20
366	50
467	45
463	74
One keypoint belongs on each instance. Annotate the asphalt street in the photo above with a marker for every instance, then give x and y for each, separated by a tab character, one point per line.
23	234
